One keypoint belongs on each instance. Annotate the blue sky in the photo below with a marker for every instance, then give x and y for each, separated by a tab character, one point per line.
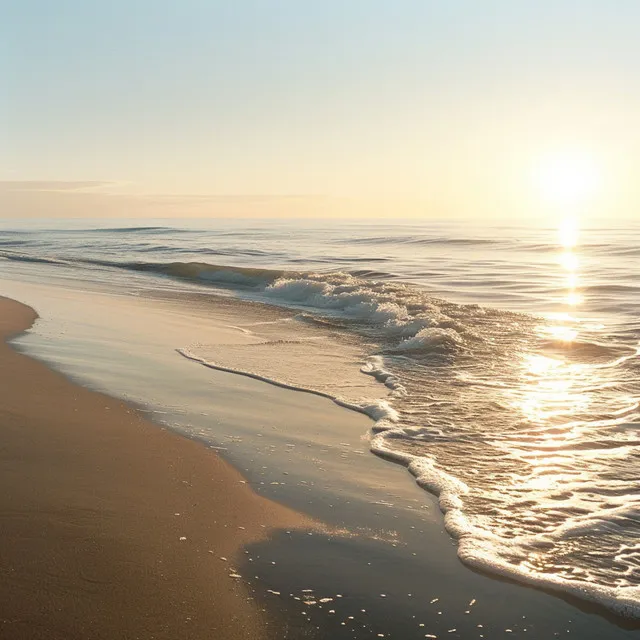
443	103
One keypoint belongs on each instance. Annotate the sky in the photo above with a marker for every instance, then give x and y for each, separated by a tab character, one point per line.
392	108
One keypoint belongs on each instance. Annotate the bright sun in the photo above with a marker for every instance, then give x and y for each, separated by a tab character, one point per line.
567	178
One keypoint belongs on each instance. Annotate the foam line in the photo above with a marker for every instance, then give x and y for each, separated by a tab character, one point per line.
378	411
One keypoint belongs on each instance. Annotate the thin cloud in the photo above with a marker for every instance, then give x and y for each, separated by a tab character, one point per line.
53	185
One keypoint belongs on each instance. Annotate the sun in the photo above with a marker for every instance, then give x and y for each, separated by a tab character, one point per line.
567	178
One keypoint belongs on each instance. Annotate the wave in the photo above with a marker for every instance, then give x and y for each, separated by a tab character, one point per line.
483	550
623	251
205	272
612	288
200	272
142	230
406	315
16	257
155	230
234	252
412	240
403	316
380	410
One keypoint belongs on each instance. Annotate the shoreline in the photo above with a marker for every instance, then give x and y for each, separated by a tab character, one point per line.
111	525
415	566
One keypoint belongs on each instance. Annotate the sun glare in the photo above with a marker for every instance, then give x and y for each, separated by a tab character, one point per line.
568	238
567	178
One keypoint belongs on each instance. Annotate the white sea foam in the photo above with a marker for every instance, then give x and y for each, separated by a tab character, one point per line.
378	410
380	304
434	339
484	550
374	367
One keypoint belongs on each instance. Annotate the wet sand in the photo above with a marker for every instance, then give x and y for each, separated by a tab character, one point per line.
111	527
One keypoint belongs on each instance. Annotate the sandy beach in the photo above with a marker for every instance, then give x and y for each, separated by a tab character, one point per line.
111	526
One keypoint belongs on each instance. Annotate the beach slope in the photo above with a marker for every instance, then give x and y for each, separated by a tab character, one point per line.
111	527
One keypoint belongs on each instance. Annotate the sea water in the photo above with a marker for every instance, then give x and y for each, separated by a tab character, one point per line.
498	364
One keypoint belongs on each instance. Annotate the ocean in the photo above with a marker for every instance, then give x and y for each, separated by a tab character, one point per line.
499	364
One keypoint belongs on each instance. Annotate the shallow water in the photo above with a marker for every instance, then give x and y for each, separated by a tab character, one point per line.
501	365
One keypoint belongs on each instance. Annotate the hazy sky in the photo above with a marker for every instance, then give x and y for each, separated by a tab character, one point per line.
419	107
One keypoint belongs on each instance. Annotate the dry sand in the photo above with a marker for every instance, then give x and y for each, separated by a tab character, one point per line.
111	527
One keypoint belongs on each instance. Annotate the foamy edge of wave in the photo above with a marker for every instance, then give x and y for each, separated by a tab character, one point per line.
477	548
379	410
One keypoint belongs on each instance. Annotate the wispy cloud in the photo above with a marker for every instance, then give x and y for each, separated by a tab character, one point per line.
99	199
54	185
